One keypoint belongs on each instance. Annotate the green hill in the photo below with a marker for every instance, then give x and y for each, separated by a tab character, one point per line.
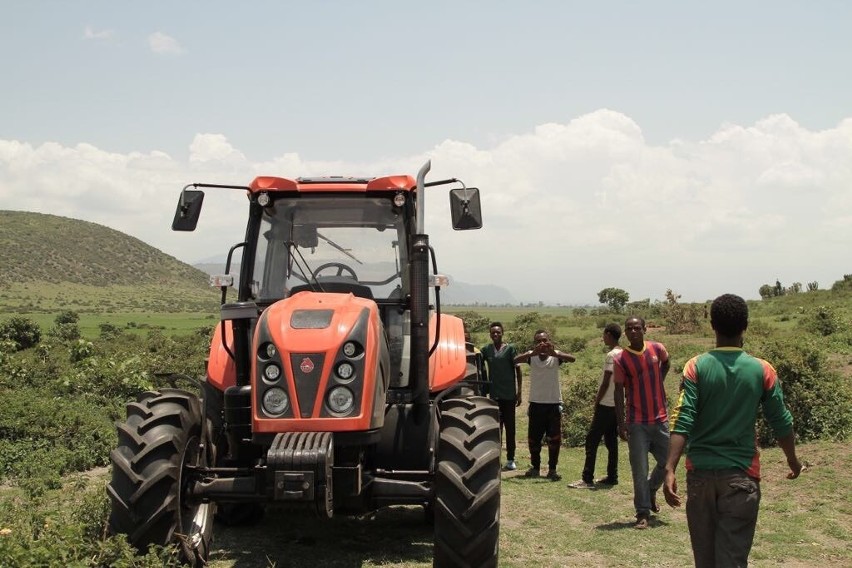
51	262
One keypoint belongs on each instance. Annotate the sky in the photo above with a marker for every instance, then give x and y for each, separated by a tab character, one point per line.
700	147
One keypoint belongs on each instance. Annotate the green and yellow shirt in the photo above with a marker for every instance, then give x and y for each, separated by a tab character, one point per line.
717	409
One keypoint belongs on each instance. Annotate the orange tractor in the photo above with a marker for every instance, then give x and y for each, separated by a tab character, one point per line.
334	383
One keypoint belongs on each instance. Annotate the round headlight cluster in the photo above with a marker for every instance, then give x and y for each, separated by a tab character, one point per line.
271	372
340	400
350	349
275	401
345	371
267	351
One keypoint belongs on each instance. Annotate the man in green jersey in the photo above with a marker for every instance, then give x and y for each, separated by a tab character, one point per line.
714	421
504	386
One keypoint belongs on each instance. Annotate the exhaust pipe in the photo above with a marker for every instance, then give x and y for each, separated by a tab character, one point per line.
420	300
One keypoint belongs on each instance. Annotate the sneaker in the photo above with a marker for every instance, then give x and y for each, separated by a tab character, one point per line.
553	476
607	481
581	485
641	522
510	466
532	472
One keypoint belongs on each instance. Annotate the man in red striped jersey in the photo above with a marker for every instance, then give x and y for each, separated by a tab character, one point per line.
639	372
714	420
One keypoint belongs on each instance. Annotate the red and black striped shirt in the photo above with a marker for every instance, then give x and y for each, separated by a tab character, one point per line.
640	374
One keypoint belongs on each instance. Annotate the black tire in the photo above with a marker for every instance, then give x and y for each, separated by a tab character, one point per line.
467	484
150	504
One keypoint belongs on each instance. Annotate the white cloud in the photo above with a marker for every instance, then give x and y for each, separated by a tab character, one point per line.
568	209
163	44
91	33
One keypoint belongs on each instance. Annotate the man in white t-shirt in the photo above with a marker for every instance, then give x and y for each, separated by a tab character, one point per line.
604	424
545	397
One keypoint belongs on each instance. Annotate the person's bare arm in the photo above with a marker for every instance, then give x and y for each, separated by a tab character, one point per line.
677	443
788	444
619	411
607	377
519	381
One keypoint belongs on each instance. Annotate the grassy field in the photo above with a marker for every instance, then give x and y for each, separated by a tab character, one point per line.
804	522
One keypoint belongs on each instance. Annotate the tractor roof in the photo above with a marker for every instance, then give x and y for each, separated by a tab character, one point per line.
332	184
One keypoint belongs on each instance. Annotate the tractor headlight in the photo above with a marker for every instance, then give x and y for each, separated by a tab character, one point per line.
350	349
340	400
268	351
275	401
345	371
272	372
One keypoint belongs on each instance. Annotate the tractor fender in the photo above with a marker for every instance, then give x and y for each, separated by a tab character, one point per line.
221	369
448	364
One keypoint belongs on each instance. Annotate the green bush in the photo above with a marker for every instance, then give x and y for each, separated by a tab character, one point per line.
823	320
819	400
66	317
24	332
65	331
578	400
66	528
473	321
43	436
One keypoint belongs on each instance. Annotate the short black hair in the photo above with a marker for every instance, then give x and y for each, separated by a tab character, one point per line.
541	331
614	330
637	318
495	324
729	315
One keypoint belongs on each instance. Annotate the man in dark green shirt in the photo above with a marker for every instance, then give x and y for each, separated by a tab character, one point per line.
505	385
714	420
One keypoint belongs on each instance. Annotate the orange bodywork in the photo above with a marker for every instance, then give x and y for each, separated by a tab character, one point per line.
325	342
388	183
448	363
221	369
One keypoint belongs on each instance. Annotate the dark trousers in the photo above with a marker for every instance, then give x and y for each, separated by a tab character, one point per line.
721	512
544	419
507	421
603	426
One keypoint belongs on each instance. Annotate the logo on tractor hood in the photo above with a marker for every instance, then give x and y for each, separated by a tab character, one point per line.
306	365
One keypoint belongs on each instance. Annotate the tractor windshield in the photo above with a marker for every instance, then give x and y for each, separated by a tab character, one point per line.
332	244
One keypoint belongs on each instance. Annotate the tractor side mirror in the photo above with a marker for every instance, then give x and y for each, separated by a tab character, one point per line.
465	209
188	210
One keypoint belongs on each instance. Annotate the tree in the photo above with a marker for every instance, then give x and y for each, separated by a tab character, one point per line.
615	298
766	291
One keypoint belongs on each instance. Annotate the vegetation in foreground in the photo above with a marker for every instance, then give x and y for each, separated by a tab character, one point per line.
63	389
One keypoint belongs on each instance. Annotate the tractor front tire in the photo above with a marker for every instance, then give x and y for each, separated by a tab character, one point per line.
467	484
160	439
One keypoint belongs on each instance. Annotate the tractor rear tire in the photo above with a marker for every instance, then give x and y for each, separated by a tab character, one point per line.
467	484
149	489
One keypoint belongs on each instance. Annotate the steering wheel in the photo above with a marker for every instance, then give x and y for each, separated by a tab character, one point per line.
341	268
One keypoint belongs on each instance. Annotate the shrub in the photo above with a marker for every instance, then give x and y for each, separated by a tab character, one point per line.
68	316
819	400
578	400
474	321
823	320
65	331
24	332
